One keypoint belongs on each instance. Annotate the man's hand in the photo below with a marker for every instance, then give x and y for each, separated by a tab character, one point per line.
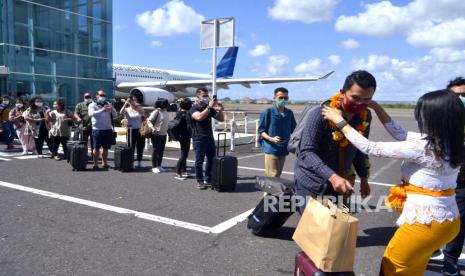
108	107
211	103
340	185
364	187
332	114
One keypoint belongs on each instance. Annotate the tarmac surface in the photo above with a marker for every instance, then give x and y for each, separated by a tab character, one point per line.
59	222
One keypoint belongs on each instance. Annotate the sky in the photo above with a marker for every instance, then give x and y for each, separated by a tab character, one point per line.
411	47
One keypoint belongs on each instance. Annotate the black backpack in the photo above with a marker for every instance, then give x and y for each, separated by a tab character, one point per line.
175	129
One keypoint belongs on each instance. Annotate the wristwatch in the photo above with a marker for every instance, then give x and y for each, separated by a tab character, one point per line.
341	124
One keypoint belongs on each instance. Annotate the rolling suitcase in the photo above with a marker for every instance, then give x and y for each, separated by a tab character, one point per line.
224	170
305	267
69	147
266	217
124	155
78	156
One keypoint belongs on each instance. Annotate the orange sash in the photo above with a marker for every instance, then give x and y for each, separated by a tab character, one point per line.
398	194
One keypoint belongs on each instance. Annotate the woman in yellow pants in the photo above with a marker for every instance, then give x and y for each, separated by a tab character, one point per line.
431	160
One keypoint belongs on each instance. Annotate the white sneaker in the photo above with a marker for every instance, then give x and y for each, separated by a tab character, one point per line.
179	177
156	170
24	152
186	175
161	169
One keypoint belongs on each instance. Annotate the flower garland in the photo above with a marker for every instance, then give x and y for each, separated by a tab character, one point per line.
338	136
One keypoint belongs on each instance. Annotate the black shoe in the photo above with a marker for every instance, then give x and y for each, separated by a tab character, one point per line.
201	185
450	269
106	167
95	168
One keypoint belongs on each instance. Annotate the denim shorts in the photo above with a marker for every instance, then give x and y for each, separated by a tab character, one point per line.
102	138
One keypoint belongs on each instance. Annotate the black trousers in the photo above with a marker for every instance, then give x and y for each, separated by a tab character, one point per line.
57	140
181	166
39	141
158	143
86	136
137	142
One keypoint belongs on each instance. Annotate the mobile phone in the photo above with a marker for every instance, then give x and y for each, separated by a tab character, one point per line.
215	98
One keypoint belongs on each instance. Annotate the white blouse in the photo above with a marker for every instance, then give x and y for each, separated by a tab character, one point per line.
420	167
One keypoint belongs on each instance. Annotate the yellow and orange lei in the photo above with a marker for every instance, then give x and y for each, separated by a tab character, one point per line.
338	136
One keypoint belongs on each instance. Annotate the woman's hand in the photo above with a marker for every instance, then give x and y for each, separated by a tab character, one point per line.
332	115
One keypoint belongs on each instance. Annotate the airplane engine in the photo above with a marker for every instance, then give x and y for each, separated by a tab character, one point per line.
148	95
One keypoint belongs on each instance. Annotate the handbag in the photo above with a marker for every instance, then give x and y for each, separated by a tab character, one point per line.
145	130
328	236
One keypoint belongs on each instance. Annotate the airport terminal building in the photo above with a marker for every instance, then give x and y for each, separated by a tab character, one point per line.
55	48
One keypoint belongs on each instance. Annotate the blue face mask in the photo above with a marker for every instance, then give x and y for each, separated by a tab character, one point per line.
282	103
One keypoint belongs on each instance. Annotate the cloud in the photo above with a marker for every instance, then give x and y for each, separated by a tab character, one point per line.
156	43
409	79
277	64
350	44
334	59
260	50
307	11
424	23
316	66
309	67
171	19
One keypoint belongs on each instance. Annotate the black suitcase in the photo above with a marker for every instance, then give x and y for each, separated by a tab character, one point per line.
78	157
69	147
224	170
261	221
124	155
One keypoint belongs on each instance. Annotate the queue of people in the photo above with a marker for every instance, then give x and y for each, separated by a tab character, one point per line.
335	141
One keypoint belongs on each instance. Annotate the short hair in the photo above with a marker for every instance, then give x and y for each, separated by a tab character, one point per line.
456	82
362	78
6	97
185	104
280	89
20	100
200	90
161	103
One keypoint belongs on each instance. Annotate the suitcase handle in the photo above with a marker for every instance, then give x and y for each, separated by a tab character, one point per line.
224	144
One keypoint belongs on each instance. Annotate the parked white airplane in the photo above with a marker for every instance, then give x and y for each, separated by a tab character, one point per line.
150	84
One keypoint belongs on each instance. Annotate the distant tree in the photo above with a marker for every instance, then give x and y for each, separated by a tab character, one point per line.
226	99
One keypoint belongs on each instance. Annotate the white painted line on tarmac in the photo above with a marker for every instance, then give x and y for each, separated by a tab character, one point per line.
383	169
25	157
250	156
220	228
164	220
230	222
5	159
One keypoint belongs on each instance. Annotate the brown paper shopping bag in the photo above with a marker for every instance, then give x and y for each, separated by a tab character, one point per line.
328	236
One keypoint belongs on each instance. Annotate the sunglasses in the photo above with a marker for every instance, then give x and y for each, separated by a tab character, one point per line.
87	97
283	98
102	95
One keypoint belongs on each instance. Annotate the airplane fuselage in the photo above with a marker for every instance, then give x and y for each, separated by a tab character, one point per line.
135	74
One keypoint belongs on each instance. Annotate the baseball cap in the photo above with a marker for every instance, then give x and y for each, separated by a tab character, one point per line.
87	94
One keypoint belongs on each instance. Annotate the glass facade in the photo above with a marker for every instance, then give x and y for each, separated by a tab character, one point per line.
56	48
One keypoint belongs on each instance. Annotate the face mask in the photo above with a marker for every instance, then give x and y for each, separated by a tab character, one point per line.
205	100
353	107
19	105
6	102
55	106
87	100
282	102
101	99
39	104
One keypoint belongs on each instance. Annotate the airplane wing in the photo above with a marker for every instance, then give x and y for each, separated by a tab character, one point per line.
222	83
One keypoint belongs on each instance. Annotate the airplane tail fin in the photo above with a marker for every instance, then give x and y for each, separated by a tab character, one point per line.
225	67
